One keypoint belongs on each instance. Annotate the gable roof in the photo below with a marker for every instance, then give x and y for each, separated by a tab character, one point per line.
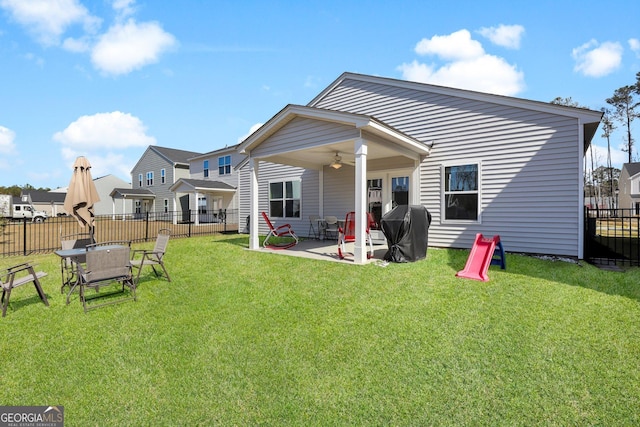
589	118
185	184
173	156
229	149
632	168
358	121
138	193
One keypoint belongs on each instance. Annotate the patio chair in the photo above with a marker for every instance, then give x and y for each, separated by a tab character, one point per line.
154	257
331	227
67	267
19	275
314	226
104	266
283	235
348	234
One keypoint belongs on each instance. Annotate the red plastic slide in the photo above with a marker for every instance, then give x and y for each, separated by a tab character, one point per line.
480	258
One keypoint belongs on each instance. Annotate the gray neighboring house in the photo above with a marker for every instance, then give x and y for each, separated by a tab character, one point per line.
107	205
212	184
155	172
629	187
480	163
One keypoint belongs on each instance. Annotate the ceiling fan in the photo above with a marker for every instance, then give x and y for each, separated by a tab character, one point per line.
337	161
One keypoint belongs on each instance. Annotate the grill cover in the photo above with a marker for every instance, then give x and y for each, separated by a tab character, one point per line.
406	228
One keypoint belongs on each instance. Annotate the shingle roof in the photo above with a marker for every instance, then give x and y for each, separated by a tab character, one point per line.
632	168
174	155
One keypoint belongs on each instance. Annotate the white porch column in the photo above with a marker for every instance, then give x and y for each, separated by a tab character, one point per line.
175	208
197	210
254	242
360	246
414	184
113	208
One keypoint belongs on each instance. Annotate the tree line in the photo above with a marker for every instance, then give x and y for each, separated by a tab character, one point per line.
601	182
16	190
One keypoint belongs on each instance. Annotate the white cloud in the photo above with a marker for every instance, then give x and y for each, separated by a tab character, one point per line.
634	44
251	130
7	147
124	8
47	20
104	139
595	59
458	45
504	35
130	46
465	65
105	131
7	136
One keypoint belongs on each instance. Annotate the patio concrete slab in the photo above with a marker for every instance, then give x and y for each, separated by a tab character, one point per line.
326	250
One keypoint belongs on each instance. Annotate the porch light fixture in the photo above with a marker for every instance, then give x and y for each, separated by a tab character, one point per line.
337	162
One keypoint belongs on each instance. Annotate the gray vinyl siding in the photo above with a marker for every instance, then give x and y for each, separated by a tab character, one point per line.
529	162
274	172
301	133
152	162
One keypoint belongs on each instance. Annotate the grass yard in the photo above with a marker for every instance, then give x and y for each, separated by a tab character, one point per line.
248	338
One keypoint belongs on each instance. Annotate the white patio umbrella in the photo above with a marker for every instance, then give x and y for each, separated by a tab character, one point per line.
82	194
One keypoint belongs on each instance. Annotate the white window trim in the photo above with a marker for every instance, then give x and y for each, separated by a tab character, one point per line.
283	180
163	176
443	167
224	165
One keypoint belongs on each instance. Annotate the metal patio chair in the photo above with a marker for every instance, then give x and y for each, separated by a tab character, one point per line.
331	227
283	235
154	257
106	265
348	234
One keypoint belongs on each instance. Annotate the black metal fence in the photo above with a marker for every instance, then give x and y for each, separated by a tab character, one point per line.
611	236
25	237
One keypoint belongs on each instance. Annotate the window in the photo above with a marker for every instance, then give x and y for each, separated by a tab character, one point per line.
284	199
139	180
166	205
149	179
461	192
224	165
138	206
399	191
202	205
163	177
205	168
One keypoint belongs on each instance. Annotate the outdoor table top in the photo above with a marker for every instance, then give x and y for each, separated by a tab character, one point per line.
71	253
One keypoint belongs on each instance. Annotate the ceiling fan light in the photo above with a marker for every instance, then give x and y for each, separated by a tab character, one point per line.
337	162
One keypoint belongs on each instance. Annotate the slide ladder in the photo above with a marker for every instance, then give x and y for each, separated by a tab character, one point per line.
485	252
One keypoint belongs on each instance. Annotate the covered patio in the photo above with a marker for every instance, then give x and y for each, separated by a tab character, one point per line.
346	150
220	193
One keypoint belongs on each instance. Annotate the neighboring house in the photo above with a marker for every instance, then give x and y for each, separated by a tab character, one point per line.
47	201
212	184
107	205
480	163
156	171
629	187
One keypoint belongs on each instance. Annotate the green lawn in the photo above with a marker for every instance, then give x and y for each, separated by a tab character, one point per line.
248	338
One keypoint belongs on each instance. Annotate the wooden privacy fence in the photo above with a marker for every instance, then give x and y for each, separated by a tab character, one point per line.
611	236
25	237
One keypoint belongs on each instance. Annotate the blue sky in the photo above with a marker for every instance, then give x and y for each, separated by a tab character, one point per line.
107	78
